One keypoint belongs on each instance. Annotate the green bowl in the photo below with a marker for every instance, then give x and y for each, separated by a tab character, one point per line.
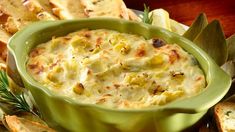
65	114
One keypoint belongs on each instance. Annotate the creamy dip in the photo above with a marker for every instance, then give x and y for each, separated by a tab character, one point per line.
114	69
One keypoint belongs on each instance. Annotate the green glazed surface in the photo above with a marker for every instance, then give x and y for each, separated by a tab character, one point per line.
65	114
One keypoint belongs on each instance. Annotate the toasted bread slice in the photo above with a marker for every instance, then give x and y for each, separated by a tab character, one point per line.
17	124
15	24
3	53
41	8
3	65
68	9
19	16
225	116
105	8
3	18
12	25
16	9
4	36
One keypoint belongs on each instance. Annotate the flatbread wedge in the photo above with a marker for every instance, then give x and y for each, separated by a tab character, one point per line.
68	9
105	8
19	16
17	124
41	8
75	9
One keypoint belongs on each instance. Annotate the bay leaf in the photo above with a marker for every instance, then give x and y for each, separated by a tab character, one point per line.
212	41
198	25
231	47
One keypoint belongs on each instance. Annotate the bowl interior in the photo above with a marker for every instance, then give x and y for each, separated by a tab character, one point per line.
218	82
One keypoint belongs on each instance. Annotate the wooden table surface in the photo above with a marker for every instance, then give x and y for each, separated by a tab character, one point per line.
185	11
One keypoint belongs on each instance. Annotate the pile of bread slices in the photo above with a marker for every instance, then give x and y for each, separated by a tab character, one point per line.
16	14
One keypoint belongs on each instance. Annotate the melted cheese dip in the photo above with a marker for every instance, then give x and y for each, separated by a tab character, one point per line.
115	69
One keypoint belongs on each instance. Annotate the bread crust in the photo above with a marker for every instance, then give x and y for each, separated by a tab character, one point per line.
19	16
3	18
41	8
17	124
219	113
101	8
4	37
68	9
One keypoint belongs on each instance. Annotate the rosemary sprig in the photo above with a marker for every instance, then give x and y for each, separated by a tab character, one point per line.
18	101
146	17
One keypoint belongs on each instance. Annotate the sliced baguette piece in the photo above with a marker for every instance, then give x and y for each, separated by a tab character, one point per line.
105	8
68	9
41	8
225	116
17	124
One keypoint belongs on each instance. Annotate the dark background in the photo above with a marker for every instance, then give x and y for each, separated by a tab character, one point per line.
185	11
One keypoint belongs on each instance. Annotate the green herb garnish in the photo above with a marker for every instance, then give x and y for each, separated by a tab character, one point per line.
7	98
147	18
